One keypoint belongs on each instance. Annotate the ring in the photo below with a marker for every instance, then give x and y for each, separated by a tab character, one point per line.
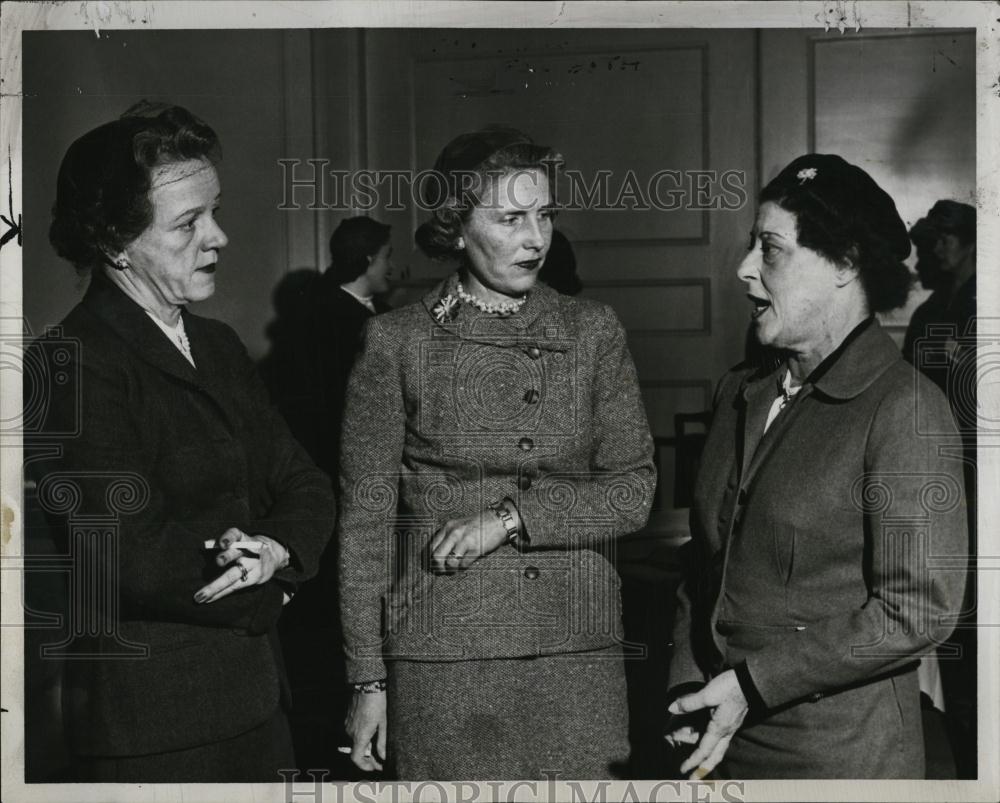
243	572
452	555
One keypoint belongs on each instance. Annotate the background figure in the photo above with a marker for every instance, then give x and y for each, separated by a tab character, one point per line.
494	440
932	277
320	323
941	342
559	269
285	368
211	514
807	607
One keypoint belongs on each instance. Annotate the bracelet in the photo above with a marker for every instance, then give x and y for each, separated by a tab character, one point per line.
370	686
507	520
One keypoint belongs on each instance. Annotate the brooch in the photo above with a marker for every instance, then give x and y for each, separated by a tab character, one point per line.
805	174
444	310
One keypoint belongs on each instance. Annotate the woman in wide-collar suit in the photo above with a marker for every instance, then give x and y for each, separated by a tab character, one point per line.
216	513
829	521
494	440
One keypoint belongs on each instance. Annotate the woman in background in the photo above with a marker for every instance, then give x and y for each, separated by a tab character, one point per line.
821	504
217	512
494	439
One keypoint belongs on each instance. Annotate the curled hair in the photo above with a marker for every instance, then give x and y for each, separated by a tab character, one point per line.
102	191
844	215
352	243
952	217
467	174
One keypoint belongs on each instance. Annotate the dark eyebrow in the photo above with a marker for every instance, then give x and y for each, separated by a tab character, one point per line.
772	234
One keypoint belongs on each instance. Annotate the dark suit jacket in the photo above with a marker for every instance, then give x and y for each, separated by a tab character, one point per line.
165	457
314	362
831	554
442	418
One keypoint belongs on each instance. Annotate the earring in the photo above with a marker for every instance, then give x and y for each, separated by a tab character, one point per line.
460	245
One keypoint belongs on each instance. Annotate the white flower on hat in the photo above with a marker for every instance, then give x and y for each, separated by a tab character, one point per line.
805	174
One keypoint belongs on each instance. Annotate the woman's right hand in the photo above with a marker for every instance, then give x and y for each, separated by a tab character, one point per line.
366	726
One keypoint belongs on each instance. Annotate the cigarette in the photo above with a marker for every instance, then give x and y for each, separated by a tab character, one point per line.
247	546
347	751
699	773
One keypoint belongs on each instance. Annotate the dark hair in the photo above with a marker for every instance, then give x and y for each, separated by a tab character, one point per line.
102	192
924	236
469	166
351	243
952	217
559	269
844	215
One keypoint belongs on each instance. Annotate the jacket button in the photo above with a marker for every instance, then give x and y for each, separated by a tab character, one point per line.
531	396
524	482
531	572
527	444
534	352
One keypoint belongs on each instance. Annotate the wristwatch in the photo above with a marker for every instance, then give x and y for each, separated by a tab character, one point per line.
507	520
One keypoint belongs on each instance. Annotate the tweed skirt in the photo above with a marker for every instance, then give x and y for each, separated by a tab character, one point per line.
562	716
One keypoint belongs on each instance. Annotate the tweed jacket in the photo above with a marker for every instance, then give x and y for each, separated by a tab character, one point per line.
166	457
829	553
446	413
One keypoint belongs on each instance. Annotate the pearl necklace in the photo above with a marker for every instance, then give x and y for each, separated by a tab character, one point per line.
491	307
182	340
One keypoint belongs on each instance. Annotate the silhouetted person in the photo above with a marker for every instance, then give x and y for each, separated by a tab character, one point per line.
317	338
943	346
559	269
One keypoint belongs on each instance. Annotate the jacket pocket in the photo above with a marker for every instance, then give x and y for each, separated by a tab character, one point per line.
784	551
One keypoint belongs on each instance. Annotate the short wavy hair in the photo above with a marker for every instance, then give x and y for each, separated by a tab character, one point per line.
102	192
843	214
352	242
468	168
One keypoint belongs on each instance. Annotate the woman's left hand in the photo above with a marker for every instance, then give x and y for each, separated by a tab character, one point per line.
725	697
461	542
252	560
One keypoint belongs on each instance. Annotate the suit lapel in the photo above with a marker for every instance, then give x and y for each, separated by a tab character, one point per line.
758	395
131	323
144	338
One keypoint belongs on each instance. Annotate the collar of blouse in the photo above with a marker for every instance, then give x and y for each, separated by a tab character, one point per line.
539	323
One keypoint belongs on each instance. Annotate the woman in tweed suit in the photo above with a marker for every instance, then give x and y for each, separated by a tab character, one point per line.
494	440
828	520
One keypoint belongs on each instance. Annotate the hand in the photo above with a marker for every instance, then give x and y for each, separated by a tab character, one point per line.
460	543
724	697
366	725
252	560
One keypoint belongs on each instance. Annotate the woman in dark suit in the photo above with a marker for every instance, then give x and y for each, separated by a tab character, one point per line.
494	440
828	524
217	512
